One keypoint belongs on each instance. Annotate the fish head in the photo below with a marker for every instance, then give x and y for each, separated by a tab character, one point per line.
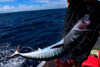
84	22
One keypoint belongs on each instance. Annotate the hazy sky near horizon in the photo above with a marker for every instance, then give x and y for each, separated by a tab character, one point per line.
27	5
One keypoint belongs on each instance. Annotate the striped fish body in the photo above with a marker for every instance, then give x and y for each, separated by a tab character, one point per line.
61	48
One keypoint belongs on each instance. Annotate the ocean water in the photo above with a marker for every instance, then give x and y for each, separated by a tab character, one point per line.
31	30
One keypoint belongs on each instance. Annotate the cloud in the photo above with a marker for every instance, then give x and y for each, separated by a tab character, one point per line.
6	8
24	7
48	1
55	3
6	0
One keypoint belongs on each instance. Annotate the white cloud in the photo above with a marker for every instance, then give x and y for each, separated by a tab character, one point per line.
6	8
6	0
43	1
50	0
53	1
23	7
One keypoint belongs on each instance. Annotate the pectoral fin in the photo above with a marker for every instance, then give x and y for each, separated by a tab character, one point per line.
58	46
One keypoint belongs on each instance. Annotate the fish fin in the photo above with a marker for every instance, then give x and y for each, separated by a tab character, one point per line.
39	49
42	64
58	46
15	53
79	30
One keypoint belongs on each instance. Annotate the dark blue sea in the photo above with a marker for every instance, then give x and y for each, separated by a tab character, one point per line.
31	30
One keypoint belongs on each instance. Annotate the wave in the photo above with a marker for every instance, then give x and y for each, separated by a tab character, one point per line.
34	29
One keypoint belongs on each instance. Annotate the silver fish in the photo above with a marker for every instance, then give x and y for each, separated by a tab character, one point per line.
60	48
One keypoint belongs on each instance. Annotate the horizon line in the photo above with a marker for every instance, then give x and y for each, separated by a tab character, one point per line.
32	10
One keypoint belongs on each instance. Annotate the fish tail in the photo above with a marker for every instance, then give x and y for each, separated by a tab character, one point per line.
15	53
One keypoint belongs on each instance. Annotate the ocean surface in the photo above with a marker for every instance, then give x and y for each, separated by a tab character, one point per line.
31	30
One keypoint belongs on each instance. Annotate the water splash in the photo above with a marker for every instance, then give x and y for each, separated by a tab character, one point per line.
15	62
6	50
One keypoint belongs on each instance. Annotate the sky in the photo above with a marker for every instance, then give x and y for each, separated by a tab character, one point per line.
27	5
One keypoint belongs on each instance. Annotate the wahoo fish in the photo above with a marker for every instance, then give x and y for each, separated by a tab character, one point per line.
60	48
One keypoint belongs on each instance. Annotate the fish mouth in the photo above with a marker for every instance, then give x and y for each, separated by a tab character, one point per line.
84	22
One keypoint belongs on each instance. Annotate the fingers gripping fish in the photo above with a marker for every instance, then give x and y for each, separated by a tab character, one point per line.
60	48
